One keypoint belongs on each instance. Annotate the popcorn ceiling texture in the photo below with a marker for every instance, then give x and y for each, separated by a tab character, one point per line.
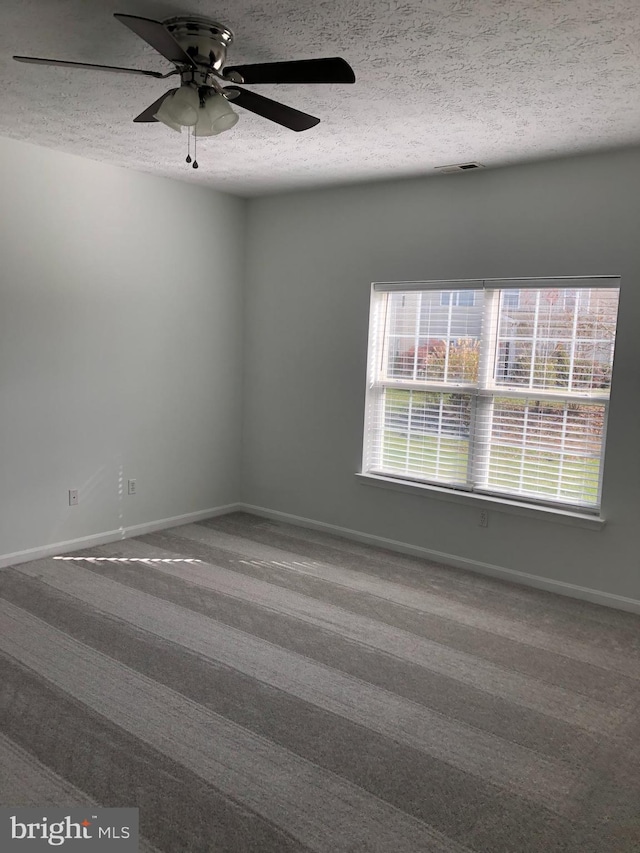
438	82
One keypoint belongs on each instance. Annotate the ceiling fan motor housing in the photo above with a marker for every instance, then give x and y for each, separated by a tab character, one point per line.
205	41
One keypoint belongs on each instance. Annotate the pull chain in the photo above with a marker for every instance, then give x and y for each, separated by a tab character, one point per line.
195	149
188	145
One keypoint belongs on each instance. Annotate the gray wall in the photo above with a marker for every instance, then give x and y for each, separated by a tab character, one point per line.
115	364
311	259
120	347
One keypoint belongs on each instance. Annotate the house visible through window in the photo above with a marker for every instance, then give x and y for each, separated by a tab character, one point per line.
510	298
495	387
457	297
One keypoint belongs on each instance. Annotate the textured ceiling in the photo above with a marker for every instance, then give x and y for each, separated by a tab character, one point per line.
438	82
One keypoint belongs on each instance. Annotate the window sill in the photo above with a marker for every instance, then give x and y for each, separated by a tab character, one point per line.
546	513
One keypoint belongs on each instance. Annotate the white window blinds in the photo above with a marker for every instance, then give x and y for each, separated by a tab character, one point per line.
498	387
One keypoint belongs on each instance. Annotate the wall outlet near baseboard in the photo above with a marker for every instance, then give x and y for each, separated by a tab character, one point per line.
484	518
131	487
73	497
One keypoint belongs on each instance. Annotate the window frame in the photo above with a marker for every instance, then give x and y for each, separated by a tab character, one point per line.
483	393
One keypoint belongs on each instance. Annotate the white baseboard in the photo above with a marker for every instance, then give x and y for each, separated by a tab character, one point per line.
608	599
595	596
57	548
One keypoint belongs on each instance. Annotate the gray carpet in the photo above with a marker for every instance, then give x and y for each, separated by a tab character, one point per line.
253	686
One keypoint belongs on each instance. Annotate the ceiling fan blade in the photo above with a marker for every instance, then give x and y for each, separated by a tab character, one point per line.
274	111
333	70
150	112
35	60
154	33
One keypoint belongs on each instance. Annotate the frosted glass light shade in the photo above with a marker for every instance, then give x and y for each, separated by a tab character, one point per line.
164	118
181	108
220	114
203	126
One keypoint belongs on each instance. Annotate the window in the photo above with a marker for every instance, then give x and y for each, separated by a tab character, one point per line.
505	393
571	295
457	297
510	299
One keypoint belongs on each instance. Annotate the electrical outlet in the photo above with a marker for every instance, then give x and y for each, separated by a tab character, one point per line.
73	497
484	518
131	487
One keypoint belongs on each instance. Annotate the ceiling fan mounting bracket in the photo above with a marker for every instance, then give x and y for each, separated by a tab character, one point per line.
201	77
205	41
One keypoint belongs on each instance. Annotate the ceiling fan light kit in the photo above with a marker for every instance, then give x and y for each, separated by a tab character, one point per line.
180	108
219	113
197	46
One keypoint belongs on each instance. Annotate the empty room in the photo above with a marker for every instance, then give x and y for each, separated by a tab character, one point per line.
319	418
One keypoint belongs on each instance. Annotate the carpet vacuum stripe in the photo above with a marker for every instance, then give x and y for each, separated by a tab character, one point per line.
487	756
27	783
323	811
551	700
425	602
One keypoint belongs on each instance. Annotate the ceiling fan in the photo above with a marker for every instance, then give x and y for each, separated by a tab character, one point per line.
197	46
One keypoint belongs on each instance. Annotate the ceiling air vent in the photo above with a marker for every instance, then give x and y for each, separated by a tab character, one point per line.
460	167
